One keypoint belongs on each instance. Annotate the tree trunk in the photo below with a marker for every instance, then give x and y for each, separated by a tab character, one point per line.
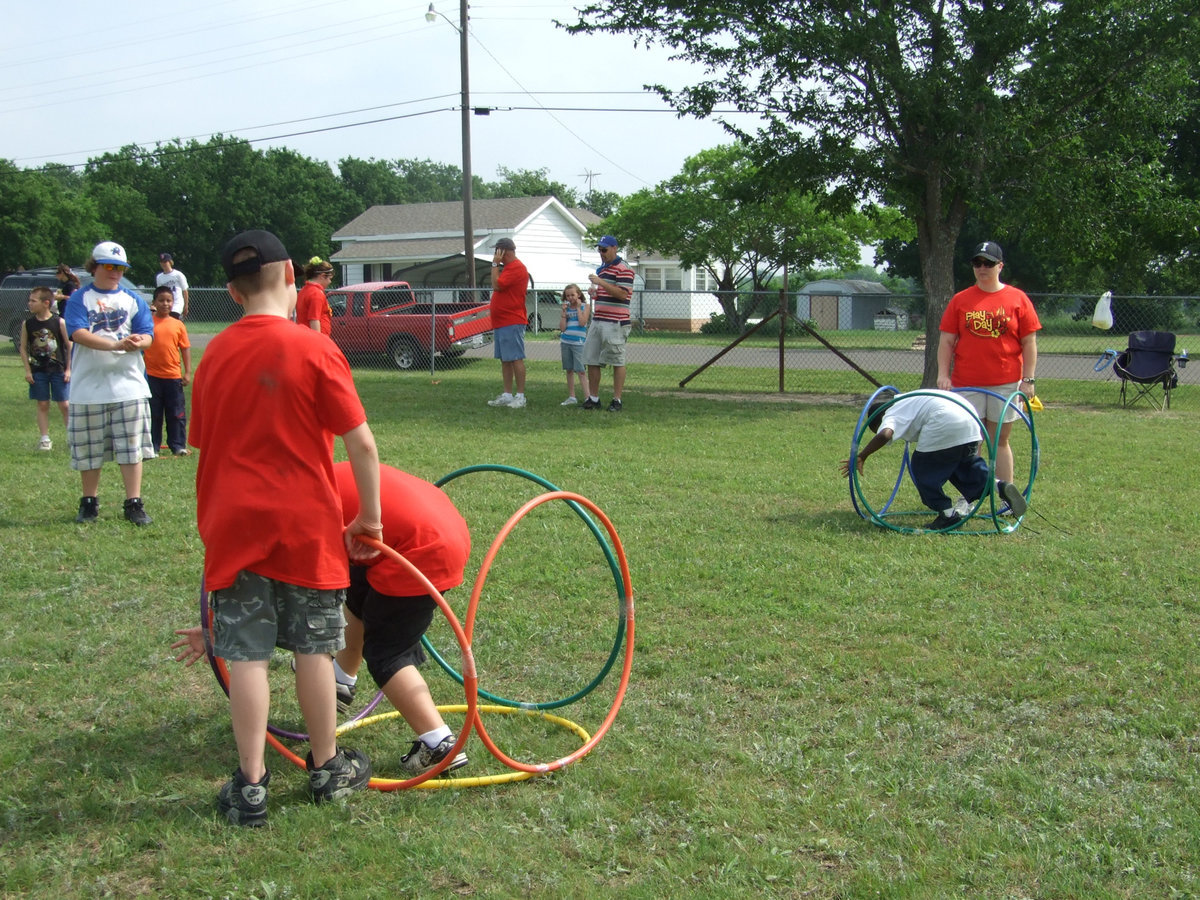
938	227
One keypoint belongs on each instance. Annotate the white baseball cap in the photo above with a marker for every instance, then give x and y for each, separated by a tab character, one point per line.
110	252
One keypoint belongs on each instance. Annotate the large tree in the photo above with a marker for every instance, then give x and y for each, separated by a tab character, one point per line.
45	218
931	107
712	217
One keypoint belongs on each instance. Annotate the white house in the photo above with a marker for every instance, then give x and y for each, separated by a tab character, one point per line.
422	243
425	240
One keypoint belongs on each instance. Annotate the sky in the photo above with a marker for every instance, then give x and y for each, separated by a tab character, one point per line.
361	78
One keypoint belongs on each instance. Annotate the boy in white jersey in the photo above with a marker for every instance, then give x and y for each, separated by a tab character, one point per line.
109	415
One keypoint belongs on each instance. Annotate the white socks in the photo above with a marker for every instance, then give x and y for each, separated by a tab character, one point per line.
341	677
432	738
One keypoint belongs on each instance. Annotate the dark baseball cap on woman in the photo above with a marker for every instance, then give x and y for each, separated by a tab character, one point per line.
990	251
267	249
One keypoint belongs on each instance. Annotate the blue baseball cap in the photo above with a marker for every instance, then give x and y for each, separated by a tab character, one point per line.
607	241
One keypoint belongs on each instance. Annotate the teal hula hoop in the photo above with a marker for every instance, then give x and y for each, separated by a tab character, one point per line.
1017	401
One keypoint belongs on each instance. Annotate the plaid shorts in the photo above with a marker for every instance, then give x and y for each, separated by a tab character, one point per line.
257	614
98	432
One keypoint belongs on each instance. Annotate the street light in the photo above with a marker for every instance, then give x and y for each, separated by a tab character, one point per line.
468	230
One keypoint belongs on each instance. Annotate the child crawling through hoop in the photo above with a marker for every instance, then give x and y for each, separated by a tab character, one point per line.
947	435
387	608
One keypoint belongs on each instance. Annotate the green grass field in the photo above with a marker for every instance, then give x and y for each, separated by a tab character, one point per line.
818	708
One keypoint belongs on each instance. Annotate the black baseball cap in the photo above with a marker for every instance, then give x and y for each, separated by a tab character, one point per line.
990	251
266	246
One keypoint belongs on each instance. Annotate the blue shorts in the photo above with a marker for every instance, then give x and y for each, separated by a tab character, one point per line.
509	343
49	386
572	357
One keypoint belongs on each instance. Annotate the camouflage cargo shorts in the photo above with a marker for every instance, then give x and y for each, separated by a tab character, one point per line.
257	614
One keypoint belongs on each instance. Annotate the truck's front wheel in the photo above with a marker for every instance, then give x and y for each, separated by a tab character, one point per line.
404	353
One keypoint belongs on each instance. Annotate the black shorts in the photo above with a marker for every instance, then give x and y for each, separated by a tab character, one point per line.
392	626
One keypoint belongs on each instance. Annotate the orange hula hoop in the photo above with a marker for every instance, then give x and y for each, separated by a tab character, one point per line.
627	666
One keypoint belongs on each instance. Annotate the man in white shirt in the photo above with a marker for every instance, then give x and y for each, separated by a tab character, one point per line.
177	282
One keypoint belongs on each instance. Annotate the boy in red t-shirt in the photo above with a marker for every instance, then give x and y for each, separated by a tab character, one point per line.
389	609
166	377
266	402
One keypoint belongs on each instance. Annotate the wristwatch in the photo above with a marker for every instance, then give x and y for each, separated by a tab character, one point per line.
1028	380
495	265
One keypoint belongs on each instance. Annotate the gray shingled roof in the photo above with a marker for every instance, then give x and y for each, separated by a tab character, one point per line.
432	218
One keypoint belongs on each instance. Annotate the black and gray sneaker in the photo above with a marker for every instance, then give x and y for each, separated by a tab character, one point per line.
89	510
347	772
345	696
589	403
1013	496
421	759
945	521
243	803
135	512
615	405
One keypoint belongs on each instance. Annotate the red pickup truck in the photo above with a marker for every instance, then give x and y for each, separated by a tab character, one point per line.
385	317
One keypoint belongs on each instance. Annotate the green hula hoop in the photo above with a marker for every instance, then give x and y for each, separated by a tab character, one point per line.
612	564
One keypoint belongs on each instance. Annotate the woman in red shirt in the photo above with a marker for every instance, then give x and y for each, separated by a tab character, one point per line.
989	340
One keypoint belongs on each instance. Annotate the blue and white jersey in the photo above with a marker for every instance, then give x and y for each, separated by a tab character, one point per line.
107	376
574	333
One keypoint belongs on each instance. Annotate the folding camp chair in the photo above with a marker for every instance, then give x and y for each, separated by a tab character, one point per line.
1148	363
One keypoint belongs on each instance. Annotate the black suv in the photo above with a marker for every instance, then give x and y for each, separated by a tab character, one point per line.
14	295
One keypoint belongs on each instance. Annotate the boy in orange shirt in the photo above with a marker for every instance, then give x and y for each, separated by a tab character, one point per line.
267	400
164	375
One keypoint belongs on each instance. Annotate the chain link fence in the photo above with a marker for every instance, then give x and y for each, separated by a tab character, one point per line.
679	340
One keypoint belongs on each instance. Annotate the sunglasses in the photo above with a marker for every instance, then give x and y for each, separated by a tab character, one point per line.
112	267
983	263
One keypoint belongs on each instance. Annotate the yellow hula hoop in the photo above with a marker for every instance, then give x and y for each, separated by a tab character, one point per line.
390	784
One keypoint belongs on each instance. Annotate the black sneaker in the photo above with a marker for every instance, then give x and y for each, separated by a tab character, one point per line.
347	772
345	696
135	512
243	803
615	406
89	510
589	403
945	521
1013	496
421	759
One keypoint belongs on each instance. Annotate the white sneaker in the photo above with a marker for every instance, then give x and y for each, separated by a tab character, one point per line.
147	453
502	400
570	401
45	443
518	402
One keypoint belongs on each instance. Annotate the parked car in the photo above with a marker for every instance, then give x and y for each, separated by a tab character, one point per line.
387	317
544	308
14	295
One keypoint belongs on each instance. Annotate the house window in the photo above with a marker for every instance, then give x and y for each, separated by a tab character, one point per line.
653	278
672	280
705	281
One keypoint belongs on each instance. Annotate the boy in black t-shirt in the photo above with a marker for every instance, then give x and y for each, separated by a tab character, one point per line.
45	352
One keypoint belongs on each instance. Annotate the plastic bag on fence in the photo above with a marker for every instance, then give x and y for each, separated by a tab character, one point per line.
1102	318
